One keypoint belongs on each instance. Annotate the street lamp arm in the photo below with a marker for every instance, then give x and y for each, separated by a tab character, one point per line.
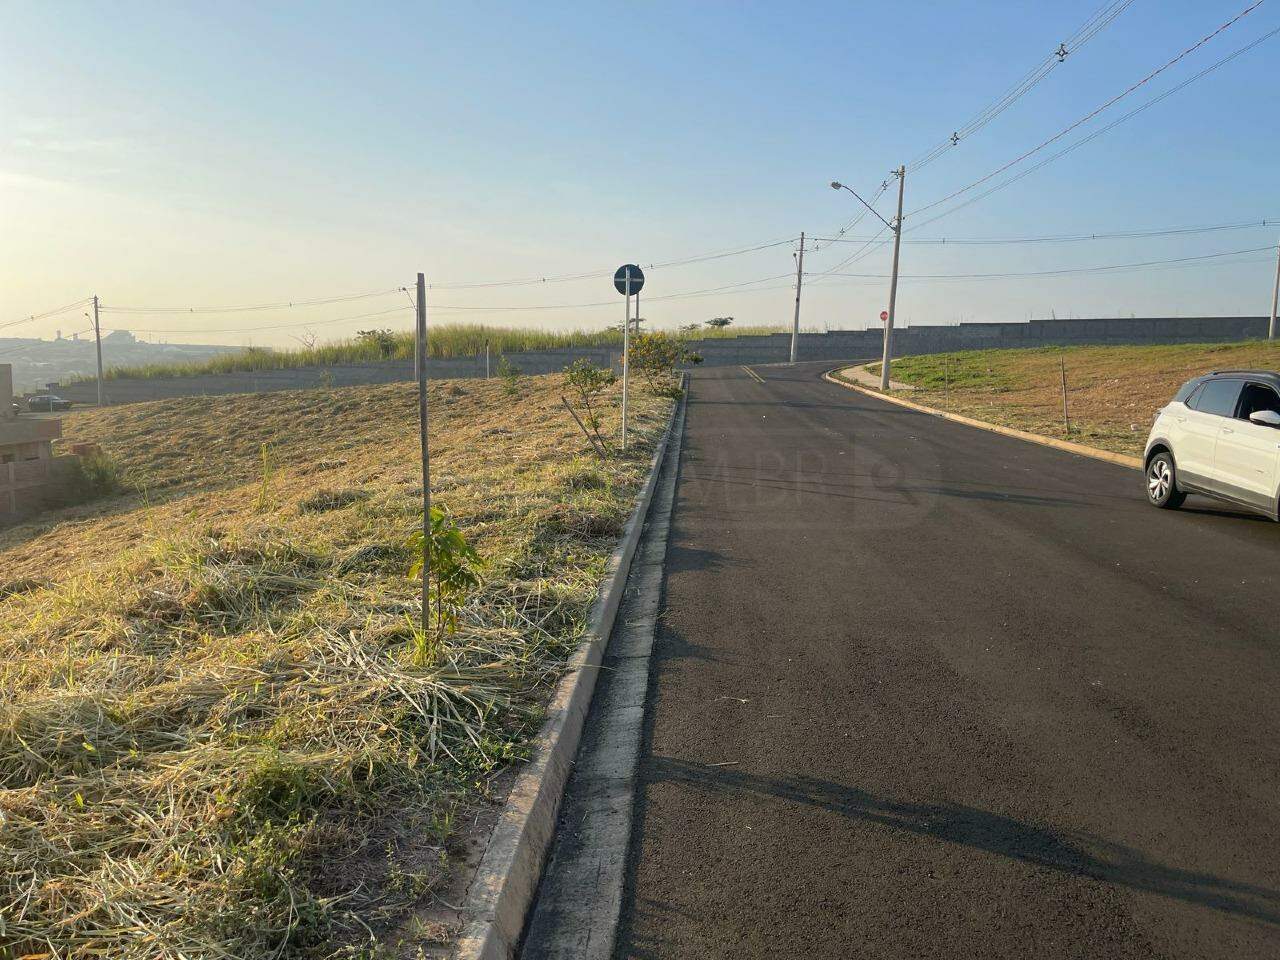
837	185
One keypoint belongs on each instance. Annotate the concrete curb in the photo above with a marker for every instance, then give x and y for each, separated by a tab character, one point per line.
1078	448
507	878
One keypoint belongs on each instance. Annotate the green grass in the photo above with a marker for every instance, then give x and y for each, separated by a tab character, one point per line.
449	340
1112	392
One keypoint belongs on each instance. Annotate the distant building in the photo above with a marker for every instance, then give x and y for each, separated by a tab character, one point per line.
117	337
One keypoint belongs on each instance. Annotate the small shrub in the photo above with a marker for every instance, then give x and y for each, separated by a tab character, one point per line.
655	357
588	381
510	375
100	475
454	568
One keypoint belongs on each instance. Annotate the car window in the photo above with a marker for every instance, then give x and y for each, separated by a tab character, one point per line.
1193	401
1257	396
1218	397
1184	392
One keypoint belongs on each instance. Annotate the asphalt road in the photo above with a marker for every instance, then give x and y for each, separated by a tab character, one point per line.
919	690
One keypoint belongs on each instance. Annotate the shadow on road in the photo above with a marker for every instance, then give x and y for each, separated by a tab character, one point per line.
1075	854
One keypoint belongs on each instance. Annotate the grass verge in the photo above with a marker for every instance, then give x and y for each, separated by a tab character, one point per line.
222	734
1113	393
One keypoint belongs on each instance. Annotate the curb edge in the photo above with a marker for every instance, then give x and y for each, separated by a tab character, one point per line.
507	877
1078	448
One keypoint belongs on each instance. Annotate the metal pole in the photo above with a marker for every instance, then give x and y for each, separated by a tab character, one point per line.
420	355
637	313
626	357
893	284
795	323
1275	298
97	335
1066	419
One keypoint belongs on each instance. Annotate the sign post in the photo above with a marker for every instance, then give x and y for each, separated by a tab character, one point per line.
628	279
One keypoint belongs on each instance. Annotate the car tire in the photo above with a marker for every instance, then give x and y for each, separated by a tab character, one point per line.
1162	483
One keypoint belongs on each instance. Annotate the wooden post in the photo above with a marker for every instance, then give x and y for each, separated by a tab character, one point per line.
1066	418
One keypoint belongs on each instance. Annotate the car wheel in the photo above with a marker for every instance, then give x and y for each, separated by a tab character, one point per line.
1162	483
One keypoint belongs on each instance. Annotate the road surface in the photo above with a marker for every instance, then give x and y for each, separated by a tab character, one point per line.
919	690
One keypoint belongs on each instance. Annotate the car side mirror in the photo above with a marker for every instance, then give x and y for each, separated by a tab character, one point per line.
1267	418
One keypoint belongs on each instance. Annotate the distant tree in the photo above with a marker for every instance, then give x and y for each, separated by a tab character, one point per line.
382	340
720	322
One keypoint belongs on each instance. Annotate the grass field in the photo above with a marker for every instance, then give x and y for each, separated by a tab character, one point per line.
1113	393
447	340
222	734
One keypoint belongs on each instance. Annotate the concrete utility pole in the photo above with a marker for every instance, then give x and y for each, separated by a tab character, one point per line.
893	283
795	323
1275	298
97	336
420	356
626	357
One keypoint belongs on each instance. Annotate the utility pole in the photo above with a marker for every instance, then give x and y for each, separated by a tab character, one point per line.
1275	298
626	356
795	323
420	356
893	283
97	336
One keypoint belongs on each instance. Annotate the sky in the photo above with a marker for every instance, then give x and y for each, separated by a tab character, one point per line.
176	155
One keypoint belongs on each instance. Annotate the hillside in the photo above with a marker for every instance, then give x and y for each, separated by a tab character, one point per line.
221	732
443	341
1113	393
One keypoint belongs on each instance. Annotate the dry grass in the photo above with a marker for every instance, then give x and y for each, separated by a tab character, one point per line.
1113	392
221	734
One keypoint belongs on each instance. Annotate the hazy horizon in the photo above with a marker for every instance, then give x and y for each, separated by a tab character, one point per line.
173	156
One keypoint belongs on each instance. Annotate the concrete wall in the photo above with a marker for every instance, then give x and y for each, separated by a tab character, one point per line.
834	346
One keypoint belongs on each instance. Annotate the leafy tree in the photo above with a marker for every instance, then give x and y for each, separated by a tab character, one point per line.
719	322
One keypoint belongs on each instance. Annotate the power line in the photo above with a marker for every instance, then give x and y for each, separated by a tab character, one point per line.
251	308
1071	238
1104	268
1101	130
1090	29
276	326
599	274
48	313
1089	116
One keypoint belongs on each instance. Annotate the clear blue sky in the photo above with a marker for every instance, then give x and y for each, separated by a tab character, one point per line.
219	154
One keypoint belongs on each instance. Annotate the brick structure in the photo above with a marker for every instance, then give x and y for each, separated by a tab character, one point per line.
31	477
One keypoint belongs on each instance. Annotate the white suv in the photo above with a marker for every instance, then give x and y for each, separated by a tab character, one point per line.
1220	436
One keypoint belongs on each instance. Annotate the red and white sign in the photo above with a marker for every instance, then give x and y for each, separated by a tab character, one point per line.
884	315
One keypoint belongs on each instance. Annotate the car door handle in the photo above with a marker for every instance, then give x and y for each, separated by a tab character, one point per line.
1181	419
1227	430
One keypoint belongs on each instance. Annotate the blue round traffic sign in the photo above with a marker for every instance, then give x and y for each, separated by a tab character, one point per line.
620	278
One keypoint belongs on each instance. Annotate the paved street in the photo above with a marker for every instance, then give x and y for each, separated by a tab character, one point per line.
919	690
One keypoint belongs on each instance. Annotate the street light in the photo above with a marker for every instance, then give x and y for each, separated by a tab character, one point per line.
896	227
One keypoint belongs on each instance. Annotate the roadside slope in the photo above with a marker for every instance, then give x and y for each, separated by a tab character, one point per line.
220	732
